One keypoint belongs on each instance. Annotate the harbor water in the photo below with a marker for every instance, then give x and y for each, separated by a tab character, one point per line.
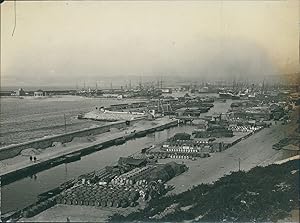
24	192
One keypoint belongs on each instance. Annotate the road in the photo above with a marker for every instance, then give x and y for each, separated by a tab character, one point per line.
255	150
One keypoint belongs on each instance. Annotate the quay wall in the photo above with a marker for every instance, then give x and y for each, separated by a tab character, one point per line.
14	174
42	143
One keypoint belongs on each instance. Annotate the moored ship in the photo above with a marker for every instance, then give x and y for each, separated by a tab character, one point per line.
226	95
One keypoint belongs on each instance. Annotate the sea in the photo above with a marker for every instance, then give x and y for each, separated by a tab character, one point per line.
30	118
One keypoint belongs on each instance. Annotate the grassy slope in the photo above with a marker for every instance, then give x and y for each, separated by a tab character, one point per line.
262	194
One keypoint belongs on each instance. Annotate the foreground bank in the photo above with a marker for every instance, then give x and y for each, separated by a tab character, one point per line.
263	194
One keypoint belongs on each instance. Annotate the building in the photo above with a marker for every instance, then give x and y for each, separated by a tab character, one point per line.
39	93
20	92
6	93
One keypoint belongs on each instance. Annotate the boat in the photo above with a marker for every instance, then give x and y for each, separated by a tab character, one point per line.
203	109
160	128
141	133
243	96
226	95
235	97
229	95
49	193
58	161
151	130
12	216
221	100
80	116
251	95
72	157
206	105
235	104
120	141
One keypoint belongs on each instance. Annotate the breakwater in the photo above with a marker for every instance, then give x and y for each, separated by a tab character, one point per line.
18	172
42	143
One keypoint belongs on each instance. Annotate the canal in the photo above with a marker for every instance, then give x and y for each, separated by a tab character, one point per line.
22	193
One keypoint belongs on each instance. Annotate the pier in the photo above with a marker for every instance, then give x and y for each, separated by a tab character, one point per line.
46	160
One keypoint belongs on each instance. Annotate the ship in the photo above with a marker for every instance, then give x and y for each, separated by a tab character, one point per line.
229	95
226	95
235	97
253	95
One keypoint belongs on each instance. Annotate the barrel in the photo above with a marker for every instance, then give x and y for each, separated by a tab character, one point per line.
41	207
58	200
134	195
109	203
74	202
35	210
116	203
46	205
124	203
81	201
28	213
103	203
133	204
86	202
91	203
69	201
52	201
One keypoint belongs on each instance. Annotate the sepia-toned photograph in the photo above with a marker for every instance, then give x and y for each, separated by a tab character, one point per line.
149	111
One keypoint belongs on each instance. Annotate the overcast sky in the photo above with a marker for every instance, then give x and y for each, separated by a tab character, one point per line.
61	43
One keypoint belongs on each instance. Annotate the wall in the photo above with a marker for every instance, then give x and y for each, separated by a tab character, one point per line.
14	150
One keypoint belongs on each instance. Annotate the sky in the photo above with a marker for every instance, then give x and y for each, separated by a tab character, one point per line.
65	43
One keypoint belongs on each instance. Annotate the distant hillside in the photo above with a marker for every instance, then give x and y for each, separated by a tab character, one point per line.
262	194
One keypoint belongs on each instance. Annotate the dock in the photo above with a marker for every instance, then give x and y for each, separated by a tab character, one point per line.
10	173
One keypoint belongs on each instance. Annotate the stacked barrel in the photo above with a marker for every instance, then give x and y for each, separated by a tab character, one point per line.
99	195
133	176
104	176
39	207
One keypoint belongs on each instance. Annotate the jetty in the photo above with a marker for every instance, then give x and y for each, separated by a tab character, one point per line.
50	157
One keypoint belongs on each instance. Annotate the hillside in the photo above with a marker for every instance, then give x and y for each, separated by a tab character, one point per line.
261	194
